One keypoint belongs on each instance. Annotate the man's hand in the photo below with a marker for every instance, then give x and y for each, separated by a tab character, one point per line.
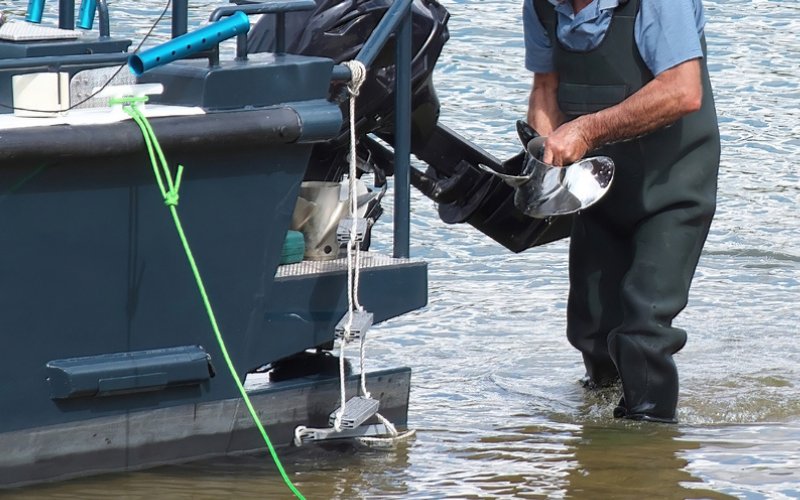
567	144
671	95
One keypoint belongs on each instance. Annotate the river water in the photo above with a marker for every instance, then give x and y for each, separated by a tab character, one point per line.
495	399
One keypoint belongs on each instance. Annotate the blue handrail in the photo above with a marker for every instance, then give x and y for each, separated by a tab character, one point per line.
397	21
402	138
277	7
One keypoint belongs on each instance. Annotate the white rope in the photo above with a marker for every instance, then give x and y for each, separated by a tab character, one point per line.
337	422
358	74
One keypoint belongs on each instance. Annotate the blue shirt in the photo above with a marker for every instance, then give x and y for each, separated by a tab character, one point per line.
667	32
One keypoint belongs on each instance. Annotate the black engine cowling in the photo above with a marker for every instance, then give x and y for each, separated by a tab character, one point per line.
338	29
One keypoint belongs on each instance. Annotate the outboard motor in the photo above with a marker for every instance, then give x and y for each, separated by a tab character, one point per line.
338	29
464	193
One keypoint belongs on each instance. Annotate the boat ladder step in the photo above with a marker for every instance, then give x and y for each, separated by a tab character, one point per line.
316	435
361	321
344	230
356	411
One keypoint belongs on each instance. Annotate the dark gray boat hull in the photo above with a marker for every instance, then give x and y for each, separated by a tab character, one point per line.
109	361
191	431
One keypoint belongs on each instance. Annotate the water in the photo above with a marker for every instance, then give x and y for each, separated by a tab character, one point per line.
495	401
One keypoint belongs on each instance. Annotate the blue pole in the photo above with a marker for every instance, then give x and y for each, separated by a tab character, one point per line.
180	17
102	18
35	11
199	40
402	138
388	25
280	33
86	14
66	14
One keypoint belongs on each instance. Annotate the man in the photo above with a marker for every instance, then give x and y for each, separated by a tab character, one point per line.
628	79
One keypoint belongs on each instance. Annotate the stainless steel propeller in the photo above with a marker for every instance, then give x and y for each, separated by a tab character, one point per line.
544	190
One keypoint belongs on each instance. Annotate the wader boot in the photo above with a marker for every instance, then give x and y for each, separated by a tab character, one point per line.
634	253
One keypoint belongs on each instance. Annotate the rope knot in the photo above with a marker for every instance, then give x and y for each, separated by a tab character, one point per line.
358	73
129	101
171	198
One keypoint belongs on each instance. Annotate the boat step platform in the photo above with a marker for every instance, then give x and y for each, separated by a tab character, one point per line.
357	410
307	300
367	261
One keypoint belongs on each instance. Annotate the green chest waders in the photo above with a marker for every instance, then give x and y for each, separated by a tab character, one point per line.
633	255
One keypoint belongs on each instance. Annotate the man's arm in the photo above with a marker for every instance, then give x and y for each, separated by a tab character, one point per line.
544	115
672	94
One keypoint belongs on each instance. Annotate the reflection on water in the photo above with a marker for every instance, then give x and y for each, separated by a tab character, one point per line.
605	455
753	461
495	401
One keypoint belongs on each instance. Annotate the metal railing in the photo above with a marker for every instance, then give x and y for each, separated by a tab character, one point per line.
397	21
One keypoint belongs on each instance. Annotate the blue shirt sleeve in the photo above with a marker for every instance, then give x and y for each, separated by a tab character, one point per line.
668	32
538	51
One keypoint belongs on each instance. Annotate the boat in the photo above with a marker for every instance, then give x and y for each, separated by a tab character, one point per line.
160	316
110	360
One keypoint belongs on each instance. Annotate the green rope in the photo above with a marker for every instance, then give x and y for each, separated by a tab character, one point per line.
169	191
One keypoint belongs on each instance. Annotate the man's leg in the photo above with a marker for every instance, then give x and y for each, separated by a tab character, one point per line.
598	259
666	248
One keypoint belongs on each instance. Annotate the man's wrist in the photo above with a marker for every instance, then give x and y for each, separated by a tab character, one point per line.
588	131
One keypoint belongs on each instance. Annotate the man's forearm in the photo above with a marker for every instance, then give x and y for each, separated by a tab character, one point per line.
668	97
544	115
672	94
